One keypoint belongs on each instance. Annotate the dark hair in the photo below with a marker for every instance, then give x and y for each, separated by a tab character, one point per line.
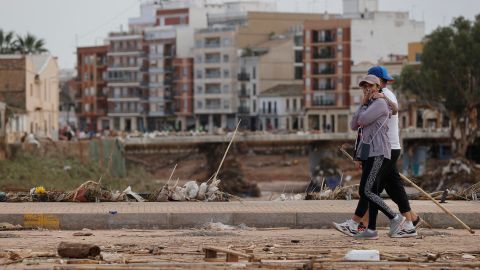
382	80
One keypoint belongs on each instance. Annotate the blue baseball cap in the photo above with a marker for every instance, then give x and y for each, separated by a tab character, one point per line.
380	72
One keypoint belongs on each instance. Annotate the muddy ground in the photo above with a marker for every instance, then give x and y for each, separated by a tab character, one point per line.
273	249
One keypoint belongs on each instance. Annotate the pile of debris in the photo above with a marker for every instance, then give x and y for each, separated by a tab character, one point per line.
325	193
459	176
92	191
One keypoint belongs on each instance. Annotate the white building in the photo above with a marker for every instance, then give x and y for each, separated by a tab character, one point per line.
281	107
379	35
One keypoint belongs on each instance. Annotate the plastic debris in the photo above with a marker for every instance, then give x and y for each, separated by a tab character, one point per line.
363	255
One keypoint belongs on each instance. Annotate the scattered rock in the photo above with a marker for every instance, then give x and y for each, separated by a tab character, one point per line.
431	257
82	234
77	250
467	256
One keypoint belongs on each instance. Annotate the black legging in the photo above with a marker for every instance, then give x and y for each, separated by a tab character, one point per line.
372	170
392	183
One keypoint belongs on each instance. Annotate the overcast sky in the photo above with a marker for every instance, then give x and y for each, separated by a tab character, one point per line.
60	21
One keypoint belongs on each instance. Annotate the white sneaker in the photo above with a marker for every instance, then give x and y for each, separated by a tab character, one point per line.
407	230
396	224
349	227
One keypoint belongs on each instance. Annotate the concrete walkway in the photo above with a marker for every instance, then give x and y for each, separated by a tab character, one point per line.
171	215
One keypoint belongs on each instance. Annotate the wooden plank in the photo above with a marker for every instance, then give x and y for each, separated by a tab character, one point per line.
228	251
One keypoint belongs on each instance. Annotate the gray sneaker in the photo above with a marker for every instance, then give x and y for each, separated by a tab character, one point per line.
396	224
367	235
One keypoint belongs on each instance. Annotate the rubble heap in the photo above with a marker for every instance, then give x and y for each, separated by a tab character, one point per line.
457	175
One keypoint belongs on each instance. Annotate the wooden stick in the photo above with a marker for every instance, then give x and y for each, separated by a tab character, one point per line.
226	151
170	178
424	193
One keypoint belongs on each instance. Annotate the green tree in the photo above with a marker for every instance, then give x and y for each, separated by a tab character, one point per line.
30	44
448	78
7	42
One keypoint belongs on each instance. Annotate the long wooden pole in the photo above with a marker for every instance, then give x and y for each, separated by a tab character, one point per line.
424	193
226	151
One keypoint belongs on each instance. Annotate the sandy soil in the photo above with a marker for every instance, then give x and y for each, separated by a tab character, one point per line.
277	248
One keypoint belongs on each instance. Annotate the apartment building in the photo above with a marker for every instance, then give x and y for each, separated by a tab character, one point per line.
215	78
3	122
68	89
281	107
183	93
327	74
127	81
379	34
91	90
3	111
30	87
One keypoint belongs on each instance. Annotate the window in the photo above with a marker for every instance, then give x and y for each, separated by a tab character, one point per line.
226	73
294	104
185	72
198	43
199	89
298	73
198	59
199	74
288	104
269	107
418	57
227	42
254	73
254	106
226	88
298	56
185	87
226	104
254	89
226	58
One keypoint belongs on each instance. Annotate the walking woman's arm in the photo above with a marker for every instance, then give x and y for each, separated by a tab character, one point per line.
375	110
354	122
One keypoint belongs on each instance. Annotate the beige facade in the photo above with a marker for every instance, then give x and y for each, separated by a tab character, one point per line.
31	89
263	67
261	25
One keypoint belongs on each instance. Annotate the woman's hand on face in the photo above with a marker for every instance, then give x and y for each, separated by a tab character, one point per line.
366	96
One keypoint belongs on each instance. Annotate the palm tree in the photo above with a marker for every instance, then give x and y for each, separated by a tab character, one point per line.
30	44
7	44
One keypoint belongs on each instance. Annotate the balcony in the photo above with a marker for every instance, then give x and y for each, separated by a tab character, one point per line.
244	110
212	59
213	89
213	107
244	93
324	71
324	54
323	102
213	75
243	76
337	99
324	85
212	44
323	36
328	86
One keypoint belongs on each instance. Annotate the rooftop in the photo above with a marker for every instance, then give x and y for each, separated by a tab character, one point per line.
283	90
